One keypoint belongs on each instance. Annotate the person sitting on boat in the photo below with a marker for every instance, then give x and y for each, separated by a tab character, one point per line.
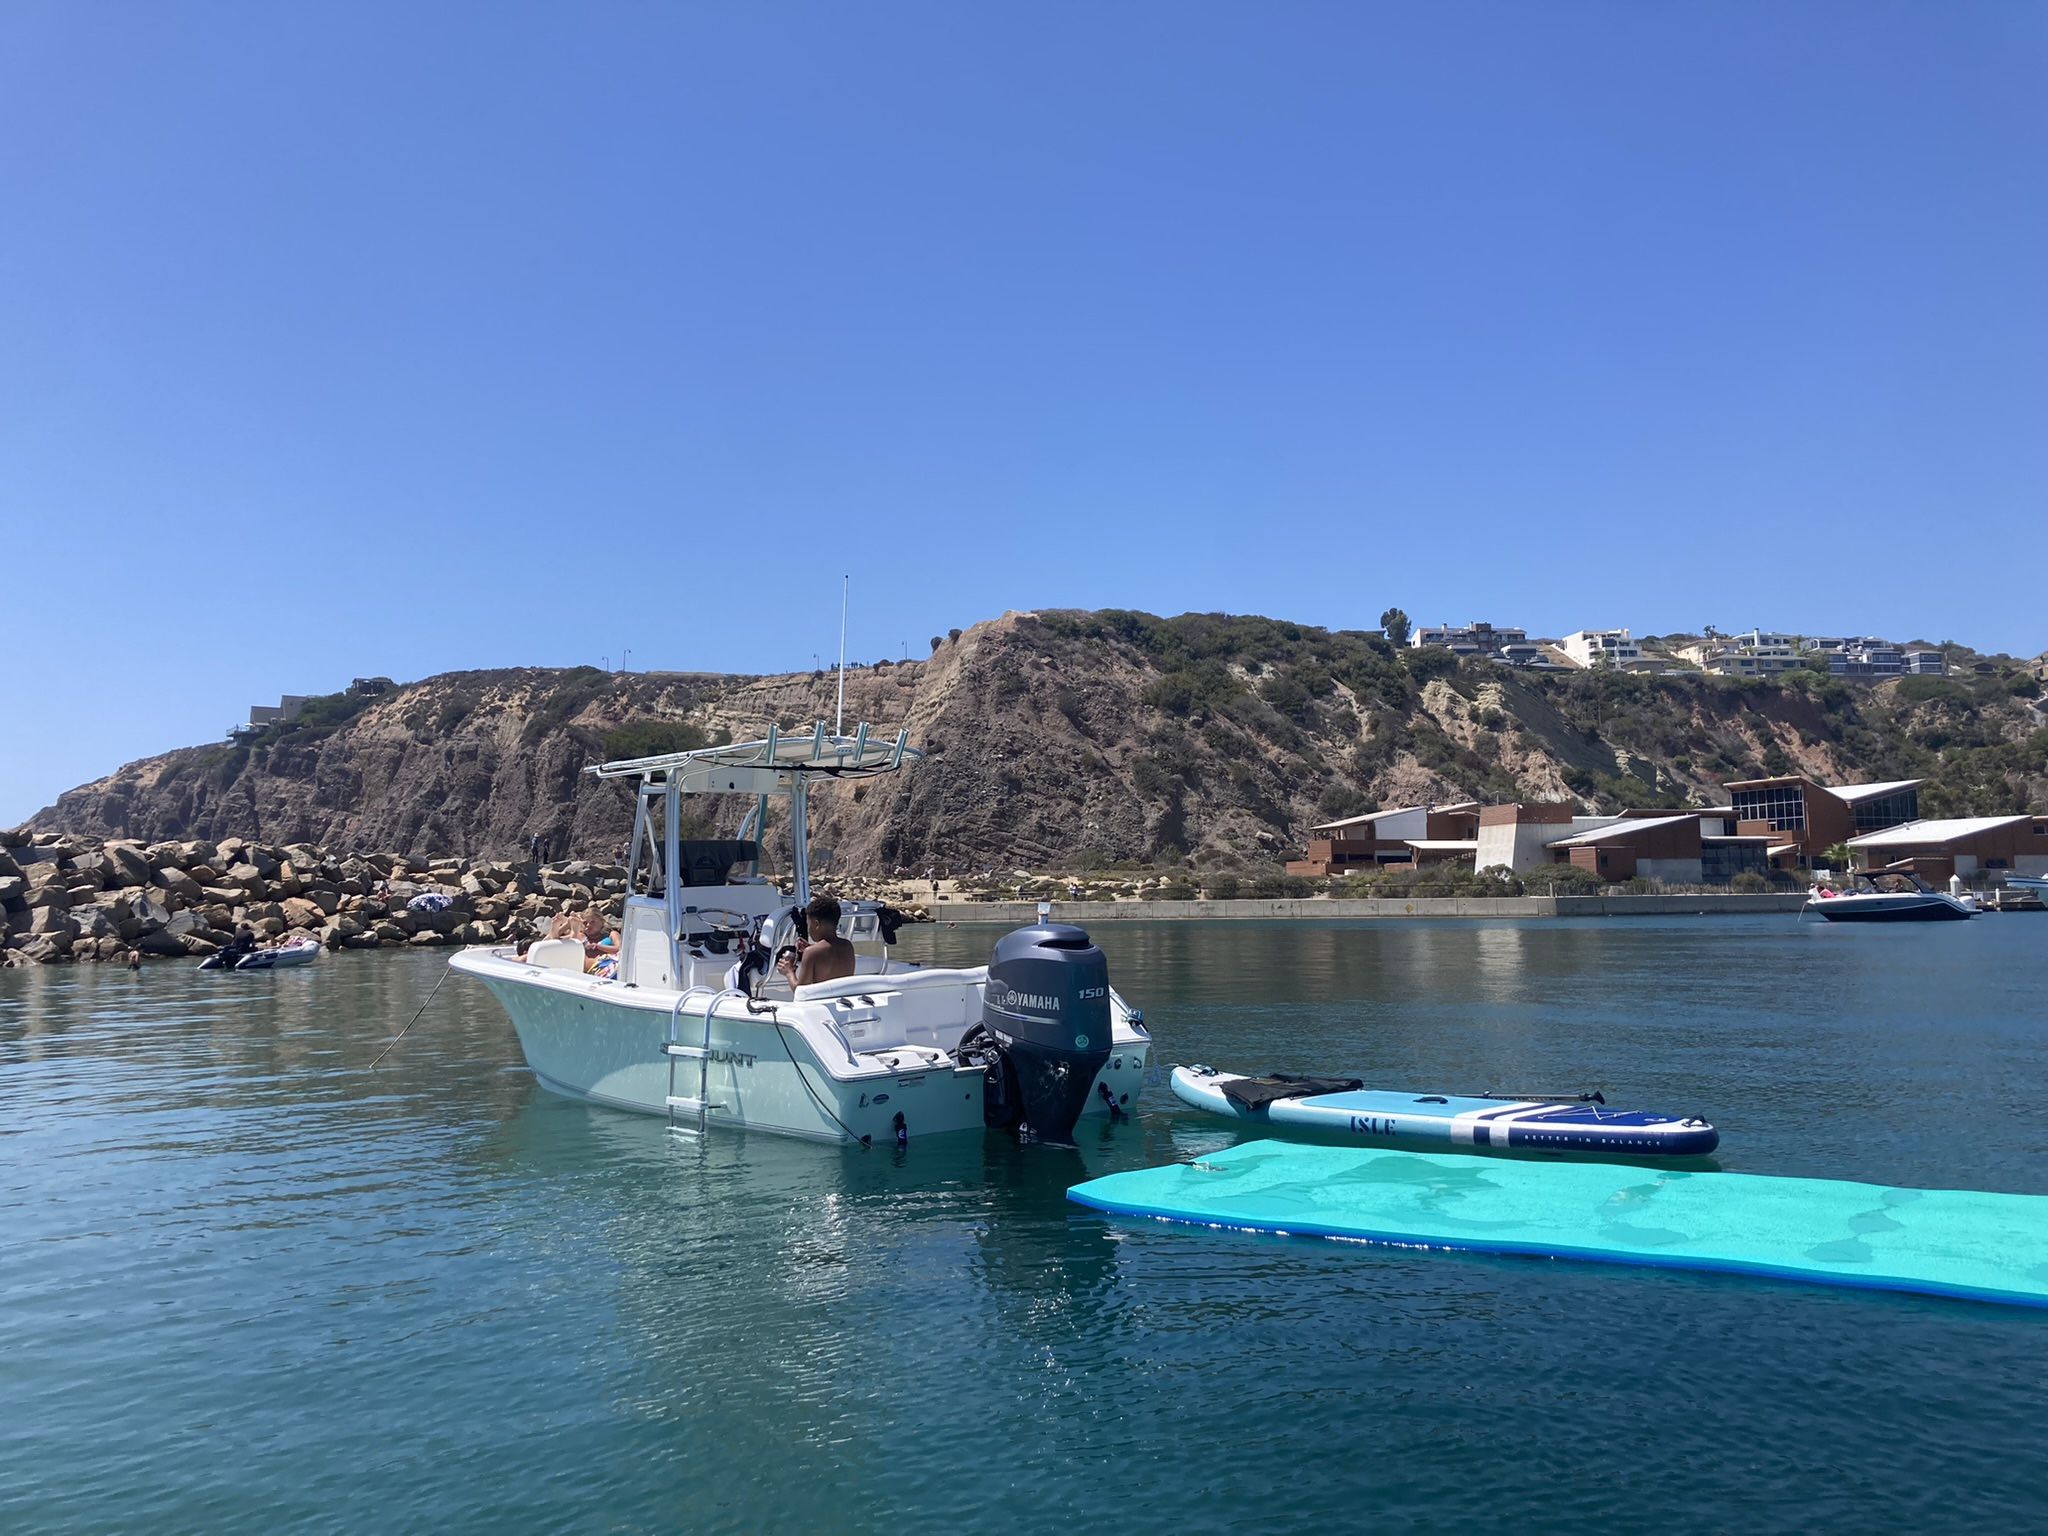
600	945
240	946
827	957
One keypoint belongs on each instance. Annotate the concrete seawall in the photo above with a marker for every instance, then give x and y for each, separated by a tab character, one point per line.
1016	913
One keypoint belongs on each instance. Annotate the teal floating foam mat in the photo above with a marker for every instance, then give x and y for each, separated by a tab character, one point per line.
1941	1242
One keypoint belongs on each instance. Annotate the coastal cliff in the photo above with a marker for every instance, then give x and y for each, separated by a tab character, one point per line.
1064	739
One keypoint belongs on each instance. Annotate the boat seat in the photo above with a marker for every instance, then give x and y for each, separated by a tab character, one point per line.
930	1007
556	955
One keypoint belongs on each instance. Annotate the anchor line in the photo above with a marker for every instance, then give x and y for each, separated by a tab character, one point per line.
409	1022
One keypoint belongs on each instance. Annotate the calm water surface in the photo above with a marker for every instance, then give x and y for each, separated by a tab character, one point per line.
249	1284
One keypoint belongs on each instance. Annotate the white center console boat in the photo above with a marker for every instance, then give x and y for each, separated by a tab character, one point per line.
698	1024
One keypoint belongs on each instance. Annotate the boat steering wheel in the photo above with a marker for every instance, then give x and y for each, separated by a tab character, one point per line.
722	920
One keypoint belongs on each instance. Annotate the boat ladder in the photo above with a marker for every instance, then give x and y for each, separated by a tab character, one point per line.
677	1050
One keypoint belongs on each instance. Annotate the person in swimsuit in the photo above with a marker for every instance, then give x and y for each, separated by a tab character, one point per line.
600	944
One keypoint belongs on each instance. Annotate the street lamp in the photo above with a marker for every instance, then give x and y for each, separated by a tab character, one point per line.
628	651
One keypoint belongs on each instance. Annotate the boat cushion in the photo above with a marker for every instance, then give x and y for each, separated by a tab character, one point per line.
913	980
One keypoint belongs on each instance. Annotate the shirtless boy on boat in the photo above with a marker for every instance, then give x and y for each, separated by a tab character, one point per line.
828	957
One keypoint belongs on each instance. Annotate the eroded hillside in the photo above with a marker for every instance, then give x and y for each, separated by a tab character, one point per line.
1059	739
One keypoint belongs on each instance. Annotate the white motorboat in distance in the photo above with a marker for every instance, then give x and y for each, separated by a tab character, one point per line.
1886	896
700	1026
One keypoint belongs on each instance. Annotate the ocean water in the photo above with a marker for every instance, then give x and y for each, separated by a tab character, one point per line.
248	1283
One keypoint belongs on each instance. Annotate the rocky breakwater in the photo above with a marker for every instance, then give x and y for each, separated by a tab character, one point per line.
86	899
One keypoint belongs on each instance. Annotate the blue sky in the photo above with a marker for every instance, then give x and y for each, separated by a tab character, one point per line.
385	338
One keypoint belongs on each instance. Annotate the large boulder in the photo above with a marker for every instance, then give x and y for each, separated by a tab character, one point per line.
145	915
183	923
161	943
44	949
197	853
325	897
175	880
53	923
91	923
301	913
12	889
47	895
8	868
223	895
124	865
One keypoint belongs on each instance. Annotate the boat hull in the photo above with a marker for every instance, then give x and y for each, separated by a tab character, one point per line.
600	1043
1904	909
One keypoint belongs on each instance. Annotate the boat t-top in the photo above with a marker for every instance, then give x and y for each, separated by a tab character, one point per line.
1885	896
698	1024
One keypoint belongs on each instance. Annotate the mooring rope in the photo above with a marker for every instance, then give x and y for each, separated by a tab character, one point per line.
409	1022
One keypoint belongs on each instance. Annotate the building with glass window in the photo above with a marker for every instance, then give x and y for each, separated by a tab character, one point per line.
1805	818
1475	639
1602	648
1856	655
1926	664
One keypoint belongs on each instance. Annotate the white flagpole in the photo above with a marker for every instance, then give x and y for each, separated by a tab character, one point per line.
839	719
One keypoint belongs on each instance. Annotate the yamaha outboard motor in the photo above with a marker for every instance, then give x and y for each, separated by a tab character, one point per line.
1047	1008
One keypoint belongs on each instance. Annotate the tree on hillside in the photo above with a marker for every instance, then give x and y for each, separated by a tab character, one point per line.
1394	623
937	641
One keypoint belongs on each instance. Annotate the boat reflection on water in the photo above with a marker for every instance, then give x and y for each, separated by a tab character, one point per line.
773	1282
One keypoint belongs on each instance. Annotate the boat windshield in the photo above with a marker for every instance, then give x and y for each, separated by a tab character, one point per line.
1890	882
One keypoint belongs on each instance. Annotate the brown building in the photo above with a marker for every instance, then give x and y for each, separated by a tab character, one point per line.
1406	835
1958	846
1804	819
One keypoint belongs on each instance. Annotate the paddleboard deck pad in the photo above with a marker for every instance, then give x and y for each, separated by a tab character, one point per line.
1937	1242
1490	1123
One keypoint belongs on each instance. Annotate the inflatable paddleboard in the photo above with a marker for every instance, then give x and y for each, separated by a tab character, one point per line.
1939	1242
1451	1120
